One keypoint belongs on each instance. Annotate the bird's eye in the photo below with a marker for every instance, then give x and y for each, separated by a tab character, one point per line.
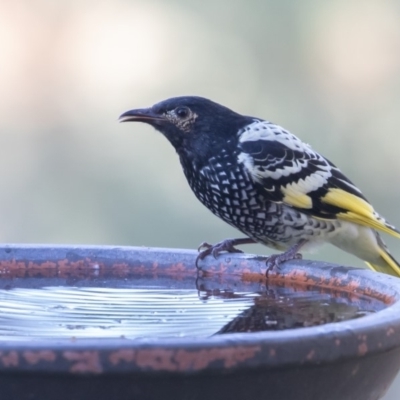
182	112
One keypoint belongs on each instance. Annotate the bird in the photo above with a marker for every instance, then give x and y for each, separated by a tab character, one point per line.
263	180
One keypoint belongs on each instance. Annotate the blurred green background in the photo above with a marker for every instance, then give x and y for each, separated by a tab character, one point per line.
327	71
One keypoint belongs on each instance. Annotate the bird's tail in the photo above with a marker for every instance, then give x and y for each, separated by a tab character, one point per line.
388	264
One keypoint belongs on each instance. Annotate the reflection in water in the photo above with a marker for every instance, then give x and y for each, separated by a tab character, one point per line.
274	310
156	312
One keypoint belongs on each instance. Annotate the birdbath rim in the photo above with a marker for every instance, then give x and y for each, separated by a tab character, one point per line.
332	342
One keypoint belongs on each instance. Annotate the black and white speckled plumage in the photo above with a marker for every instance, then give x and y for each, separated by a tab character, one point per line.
266	182
228	190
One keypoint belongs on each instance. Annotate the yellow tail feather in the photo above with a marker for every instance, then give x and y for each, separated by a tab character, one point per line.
392	267
360	212
369	222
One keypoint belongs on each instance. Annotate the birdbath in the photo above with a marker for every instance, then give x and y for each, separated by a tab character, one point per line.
143	323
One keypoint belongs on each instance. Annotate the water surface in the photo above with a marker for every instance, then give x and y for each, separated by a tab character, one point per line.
157	312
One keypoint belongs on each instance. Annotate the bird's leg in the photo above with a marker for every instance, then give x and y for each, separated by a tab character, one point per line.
227	245
275	260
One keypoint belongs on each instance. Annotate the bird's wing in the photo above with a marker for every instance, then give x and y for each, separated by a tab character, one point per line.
289	171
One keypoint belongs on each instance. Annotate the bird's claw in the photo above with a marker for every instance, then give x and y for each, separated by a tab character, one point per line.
204	245
227	245
275	260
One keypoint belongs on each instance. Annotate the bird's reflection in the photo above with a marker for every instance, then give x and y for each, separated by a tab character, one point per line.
279	308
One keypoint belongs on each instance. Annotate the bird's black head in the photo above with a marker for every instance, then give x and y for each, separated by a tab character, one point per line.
193	125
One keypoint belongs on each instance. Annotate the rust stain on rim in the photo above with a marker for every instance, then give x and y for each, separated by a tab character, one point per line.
83	361
9	358
33	357
184	360
88	267
300	278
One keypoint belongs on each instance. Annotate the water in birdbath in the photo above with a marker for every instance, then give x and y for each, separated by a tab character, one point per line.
162	312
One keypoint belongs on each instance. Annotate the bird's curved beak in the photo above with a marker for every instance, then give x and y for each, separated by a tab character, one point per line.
140	115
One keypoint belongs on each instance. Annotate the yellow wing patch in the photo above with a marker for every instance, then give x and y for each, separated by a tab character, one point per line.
359	211
340	198
296	199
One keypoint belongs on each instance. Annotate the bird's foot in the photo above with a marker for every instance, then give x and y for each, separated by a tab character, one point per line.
275	260
227	245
